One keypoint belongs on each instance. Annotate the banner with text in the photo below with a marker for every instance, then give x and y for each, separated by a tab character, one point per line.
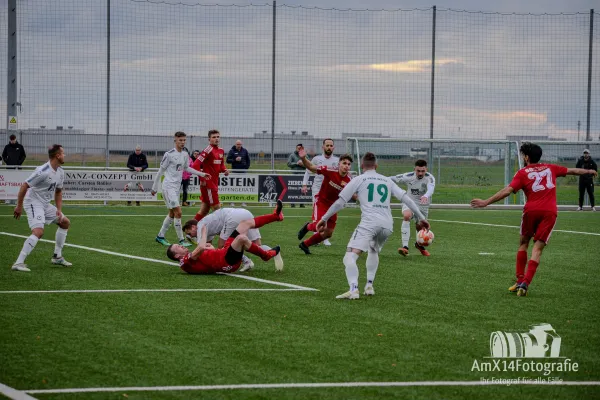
128	186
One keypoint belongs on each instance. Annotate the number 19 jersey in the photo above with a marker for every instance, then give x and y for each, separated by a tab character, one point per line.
374	192
538	182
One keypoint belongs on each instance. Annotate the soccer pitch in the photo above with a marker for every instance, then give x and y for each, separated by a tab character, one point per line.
124	322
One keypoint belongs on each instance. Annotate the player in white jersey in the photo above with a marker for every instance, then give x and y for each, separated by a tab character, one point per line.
45	184
327	159
420	185
223	222
174	162
376	223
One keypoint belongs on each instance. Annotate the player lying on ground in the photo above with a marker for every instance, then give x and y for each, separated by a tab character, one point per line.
222	223
420	186
34	197
538	182
327	159
173	163
334	180
376	223
205	259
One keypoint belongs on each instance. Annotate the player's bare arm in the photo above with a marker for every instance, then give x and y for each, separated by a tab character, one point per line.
201	244
405	198
58	202
196	172
307	164
581	171
20	198
479	203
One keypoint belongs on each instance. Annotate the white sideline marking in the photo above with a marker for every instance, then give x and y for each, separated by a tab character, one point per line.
14	394
486	254
145	290
308	385
506	226
339	216
112	253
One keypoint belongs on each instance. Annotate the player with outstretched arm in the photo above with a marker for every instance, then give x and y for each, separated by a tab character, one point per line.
376	223
538	182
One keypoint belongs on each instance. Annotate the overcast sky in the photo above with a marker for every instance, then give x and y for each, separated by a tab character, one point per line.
200	67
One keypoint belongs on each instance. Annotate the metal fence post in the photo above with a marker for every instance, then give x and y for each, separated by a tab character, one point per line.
589	91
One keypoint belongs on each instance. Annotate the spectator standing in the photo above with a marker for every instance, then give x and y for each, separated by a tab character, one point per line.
13	156
239	159
137	162
295	164
14	152
586	182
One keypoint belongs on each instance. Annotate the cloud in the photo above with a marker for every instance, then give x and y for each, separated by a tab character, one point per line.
398	66
165	63
527	117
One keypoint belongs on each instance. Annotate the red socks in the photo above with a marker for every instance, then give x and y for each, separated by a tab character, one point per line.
263	220
531	268
521	263
264	254
314	239
312	227
198	217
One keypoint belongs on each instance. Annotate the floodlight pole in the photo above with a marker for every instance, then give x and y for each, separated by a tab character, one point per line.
107	81
11	92
273	90
589	97
432	87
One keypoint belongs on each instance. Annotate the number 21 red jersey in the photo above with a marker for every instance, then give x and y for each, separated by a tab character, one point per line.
538	182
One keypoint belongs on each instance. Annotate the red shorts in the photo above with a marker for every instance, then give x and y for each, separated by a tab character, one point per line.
538	224
319	210
210	195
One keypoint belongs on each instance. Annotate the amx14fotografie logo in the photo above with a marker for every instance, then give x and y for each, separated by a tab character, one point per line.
533	352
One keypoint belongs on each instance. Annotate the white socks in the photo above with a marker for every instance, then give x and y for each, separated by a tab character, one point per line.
165	226
372	264
28	247
351	269
405	233
177	225
61	237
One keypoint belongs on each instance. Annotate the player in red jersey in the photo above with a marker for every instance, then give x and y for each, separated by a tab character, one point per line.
211	159
205	259
538	182
334	181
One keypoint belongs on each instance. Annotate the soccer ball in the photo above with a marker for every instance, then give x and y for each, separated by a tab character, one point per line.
425	237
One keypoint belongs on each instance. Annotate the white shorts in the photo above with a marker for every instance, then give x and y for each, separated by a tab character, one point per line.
423	208
39	214
235	217
372	238
171	197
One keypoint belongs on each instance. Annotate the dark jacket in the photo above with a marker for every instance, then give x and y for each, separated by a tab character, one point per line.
13	154
589	164
136	161
234	153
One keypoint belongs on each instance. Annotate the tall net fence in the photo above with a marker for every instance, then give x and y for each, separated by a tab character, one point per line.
338	73
466	169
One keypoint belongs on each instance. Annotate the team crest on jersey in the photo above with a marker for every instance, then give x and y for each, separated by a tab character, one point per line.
220	155
343	183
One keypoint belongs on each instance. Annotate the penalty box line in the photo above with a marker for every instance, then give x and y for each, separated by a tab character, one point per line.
112	253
